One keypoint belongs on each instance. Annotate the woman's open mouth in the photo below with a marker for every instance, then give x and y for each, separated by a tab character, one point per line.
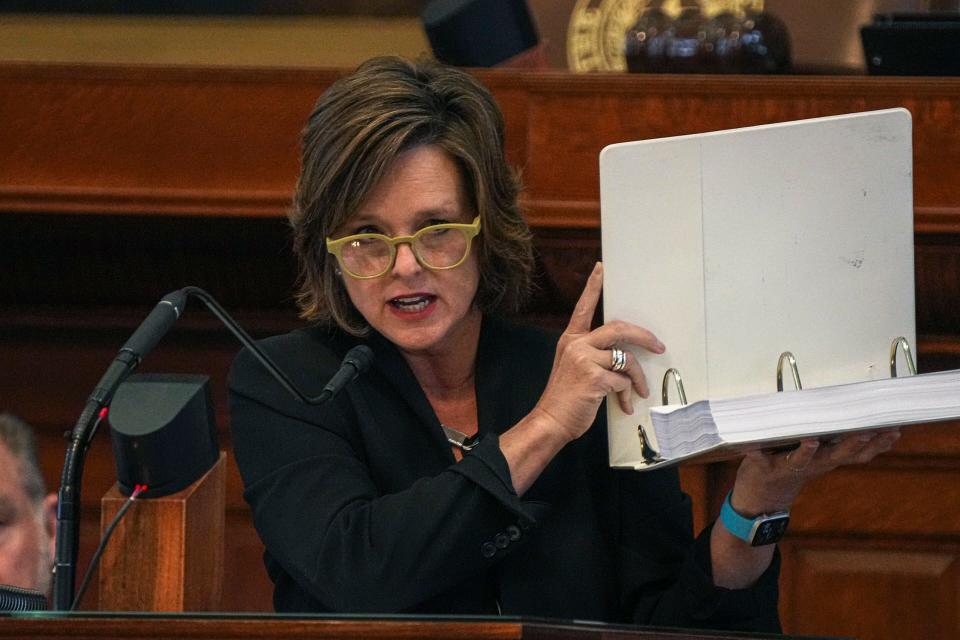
412	304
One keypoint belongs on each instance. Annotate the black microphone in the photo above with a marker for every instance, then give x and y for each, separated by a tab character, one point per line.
357	361
143	340
157	323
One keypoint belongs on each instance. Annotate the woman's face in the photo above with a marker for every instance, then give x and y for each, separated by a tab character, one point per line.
419	310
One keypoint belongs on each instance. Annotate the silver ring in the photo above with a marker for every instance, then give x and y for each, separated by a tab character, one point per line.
618	360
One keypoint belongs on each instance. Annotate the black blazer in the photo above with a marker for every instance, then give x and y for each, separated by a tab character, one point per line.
363	508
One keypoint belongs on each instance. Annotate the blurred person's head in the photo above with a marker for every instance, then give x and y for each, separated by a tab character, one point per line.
27	513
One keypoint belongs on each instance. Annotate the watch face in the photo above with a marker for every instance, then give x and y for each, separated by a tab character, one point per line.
770	530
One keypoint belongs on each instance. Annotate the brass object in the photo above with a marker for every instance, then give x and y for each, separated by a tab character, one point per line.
792	363
899	344
596	33
597	28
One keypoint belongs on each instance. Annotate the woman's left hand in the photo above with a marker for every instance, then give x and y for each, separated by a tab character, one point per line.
769	482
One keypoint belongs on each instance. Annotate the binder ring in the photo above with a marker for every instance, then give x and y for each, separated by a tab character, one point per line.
665	387
647	452
792	363
901	344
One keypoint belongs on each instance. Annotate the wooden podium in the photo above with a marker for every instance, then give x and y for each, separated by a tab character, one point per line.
166	558
167	553
175	627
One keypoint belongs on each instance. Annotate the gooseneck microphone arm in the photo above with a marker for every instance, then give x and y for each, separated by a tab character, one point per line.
143	340
356	361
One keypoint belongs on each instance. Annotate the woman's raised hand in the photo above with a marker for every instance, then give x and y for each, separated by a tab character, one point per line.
582	377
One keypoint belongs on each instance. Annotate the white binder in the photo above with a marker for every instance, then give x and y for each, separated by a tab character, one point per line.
735	246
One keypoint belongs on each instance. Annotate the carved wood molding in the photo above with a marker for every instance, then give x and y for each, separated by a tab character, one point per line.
127	201
936	220
214	141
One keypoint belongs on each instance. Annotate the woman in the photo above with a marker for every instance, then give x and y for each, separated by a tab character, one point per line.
410	240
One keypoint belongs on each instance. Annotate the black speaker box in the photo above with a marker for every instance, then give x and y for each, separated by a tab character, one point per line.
163	432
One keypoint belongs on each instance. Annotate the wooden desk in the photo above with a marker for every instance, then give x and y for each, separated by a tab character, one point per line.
330	627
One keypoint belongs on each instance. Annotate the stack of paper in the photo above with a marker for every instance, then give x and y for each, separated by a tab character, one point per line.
684	431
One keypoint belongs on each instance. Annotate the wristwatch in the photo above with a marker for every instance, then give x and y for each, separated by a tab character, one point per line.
765	529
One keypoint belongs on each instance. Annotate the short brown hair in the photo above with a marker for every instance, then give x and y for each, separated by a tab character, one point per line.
358	127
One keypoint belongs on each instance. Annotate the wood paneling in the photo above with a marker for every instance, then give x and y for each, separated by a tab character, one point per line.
200	141
873	592
192	143
118	185
879	500
575	119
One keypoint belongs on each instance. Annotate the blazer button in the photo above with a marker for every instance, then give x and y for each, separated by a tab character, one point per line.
513	532
501	540
488	550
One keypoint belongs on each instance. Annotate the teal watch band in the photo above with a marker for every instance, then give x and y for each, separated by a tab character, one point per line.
762	530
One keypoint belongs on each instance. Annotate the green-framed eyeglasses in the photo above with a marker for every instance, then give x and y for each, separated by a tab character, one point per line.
437	247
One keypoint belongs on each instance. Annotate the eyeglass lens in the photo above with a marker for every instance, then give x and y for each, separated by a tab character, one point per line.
435	249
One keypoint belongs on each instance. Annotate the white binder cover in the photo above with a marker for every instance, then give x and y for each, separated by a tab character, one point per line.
735	246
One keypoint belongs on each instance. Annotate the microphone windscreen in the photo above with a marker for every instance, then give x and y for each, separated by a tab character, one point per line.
19	599
157	324
360	356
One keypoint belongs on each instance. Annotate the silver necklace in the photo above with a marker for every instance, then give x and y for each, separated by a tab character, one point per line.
460	439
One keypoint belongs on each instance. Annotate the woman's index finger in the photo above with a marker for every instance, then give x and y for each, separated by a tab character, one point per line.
582	315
